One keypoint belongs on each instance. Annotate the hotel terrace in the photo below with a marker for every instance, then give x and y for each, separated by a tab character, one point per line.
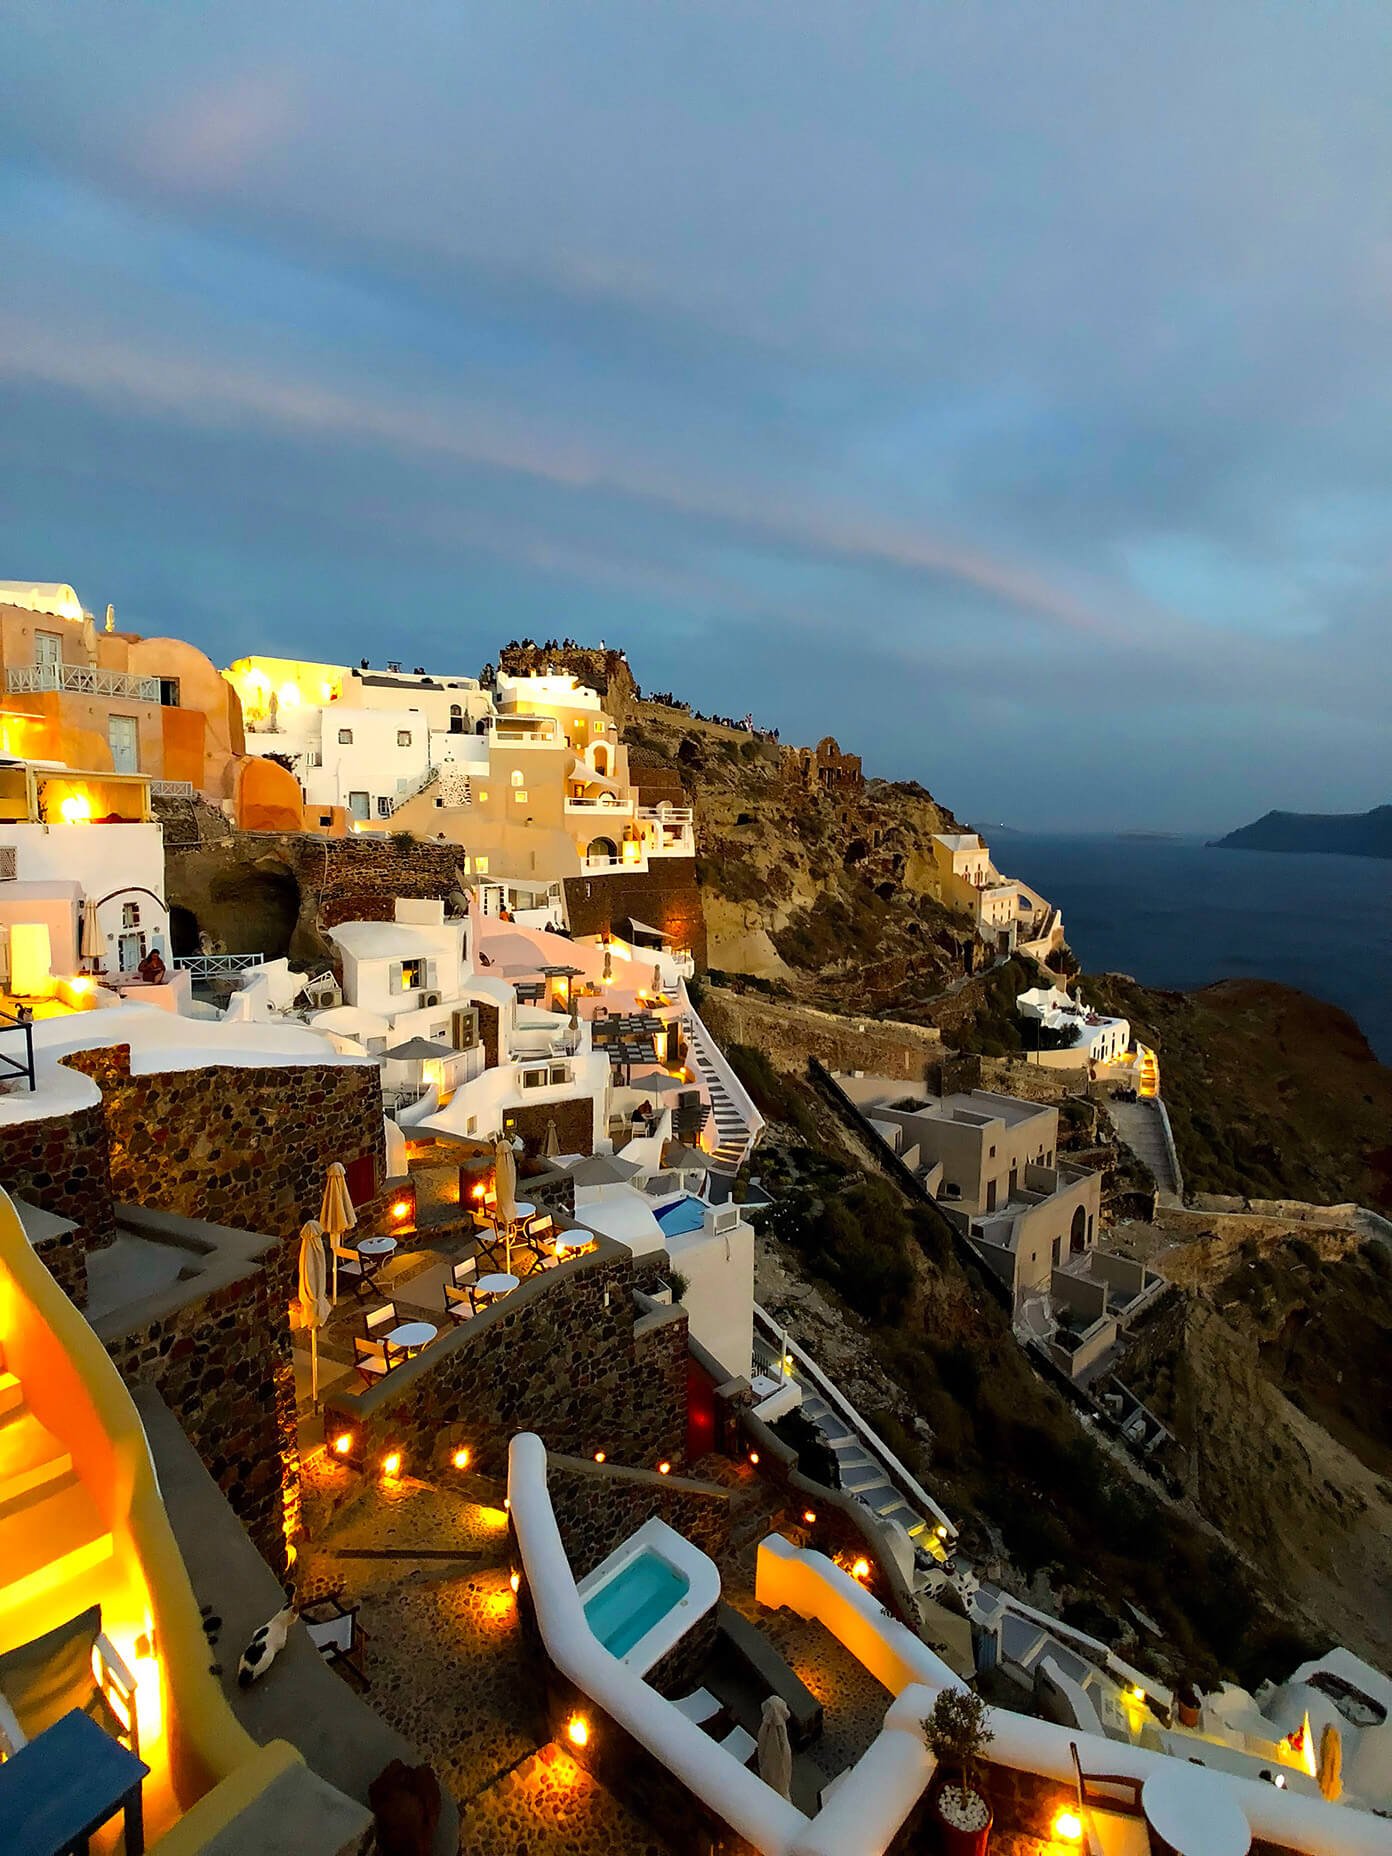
399	1319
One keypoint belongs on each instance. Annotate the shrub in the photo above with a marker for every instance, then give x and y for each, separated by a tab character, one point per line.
957	1735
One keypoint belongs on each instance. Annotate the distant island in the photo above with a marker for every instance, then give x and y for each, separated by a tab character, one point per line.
1353	834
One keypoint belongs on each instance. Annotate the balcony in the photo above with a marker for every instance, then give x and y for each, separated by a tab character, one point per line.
608	803
666	815
81	680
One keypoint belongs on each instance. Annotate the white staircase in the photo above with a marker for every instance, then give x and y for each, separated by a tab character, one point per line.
51	1536
734	1133
865	1479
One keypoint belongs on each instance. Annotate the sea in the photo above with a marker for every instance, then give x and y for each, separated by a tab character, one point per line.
1176	912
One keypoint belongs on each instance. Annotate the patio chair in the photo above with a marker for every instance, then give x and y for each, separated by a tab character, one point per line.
1114	1796
702	1709
464	1272
74	1665
381	1321
743	1746
374	1359
336	1634
361	1271
459	1302
539	1234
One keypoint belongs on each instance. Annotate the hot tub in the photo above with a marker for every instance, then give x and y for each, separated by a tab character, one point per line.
680	1217
648	1593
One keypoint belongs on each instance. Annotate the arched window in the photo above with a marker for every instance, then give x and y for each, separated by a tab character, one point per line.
603	847
1077	1236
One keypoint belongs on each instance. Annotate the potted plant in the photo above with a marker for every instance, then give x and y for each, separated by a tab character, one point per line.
957	1736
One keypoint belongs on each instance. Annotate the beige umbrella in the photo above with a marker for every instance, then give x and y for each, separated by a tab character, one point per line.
314	1303
608	966
505	1192
336	1213
657	976
90	944
775	1749
551	1146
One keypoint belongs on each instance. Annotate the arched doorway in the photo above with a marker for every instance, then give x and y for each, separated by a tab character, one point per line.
603	847
1077	1236
599	757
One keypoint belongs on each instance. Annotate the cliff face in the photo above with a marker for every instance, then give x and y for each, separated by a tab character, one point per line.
819	894
1353	834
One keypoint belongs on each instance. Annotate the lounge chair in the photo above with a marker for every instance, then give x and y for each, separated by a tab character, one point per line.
46	1678
742	1745
701	1707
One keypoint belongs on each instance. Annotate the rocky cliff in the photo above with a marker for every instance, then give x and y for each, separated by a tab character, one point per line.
1352	834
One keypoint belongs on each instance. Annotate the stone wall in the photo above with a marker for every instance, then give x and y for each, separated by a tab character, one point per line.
665	896
789	1035
598	1505
574	1124
223	1365
562	1356
61	1164
242	1147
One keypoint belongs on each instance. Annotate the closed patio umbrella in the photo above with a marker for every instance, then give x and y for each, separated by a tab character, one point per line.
90	945
775	1749
657	976
314	1302
551	1146
505	1192
336	1214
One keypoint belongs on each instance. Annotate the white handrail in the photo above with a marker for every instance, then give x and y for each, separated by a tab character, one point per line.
740	1099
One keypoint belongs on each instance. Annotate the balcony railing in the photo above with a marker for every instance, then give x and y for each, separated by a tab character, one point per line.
210	966
608	804
666	815
81	680
171	789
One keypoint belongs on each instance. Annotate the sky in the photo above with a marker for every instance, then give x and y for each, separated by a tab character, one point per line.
1003	388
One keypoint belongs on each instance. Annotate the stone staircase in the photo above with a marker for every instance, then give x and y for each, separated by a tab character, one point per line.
733	1135
1139	1126
51	1535
867	1481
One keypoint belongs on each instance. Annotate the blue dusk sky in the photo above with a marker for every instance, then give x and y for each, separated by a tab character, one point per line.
1004	388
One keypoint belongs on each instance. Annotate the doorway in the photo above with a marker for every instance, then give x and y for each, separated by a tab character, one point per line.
123	735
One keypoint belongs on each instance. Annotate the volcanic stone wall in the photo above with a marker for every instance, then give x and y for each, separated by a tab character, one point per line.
562	1356
598	1505
789	1035
665	896
223	1365
574	1124
242	1147
61	1164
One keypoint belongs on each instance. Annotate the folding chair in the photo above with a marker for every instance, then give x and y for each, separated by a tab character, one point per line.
336	1634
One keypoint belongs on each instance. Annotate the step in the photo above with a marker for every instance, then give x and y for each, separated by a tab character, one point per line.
29	1455
906	1517
48	1537
862	1476
11	1393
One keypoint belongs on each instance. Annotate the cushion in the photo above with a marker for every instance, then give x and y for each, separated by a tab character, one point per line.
48	1678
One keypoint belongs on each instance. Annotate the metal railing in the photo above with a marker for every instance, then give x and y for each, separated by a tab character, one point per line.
607	804
408	789
211	966
11	1065
172	789
82	680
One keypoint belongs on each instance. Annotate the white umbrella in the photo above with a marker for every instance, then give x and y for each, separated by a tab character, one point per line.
336	1214
314	1303
505	1191
775	1749
90	945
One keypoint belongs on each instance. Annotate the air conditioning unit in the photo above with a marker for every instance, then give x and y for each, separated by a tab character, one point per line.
430	998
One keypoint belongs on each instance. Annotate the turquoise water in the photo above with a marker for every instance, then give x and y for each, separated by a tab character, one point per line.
626	1608
683	1215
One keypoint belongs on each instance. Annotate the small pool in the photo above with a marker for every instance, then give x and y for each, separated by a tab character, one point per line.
638	1597
683	1215
647	1594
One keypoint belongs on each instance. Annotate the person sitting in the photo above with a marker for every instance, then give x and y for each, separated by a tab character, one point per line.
152	969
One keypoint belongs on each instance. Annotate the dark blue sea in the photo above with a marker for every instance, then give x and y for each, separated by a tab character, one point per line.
1173	912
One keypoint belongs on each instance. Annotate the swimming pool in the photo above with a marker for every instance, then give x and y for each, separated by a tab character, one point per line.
637	1598
647	1594
682	1216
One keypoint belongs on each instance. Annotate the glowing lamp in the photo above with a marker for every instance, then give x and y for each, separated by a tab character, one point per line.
860	1569
343	1443
76	809
941	1530
1067	1827
664	1469
1137	1692
809	1515
391	1465
599	1456
401	1208
754	1458
515	1581
460	1459
578	1730
288	696
477	1192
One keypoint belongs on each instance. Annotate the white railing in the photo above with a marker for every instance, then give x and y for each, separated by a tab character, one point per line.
172	789
408	789
667	815
82	680
705	1048
589	864
210	966
528	737
608	804
874	1444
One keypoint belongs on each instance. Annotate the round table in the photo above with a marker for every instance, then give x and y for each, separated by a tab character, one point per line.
499	1283
1193	1812
573	1239
522	1211
412	1335
377	1246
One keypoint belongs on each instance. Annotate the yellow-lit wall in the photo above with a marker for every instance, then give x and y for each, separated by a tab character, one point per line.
295	682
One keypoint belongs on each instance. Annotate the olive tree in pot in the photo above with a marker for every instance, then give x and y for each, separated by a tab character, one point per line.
957	1736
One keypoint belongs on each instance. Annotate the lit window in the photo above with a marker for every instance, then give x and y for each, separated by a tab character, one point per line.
483	797
481	863
521	795
345	737
403	737
517	776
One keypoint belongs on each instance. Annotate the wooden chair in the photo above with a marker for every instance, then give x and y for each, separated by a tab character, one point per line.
336	1634
464	1272
1110	1794
74	1665
539	1236
374	1359
361	1271
459	1302
380	1321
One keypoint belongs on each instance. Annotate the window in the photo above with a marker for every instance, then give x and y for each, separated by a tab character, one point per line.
169	692
403	737
993	1153
407	975
521	795
48	647
517	776
384	808
358	805
345	737
130	914
481	863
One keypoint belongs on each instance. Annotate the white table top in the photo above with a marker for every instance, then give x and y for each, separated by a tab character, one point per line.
413	1334
1195	1812
500	1283
377	1246
522	1208
574	1239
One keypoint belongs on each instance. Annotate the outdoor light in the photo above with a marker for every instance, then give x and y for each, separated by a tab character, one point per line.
599	1456
809	1516
343	1443
515	1581
754	1458
941	1530
664	1469
578	1730
1137	1692
391	1464
401	1209
76	809
860	1569
1068	1827
460	1459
